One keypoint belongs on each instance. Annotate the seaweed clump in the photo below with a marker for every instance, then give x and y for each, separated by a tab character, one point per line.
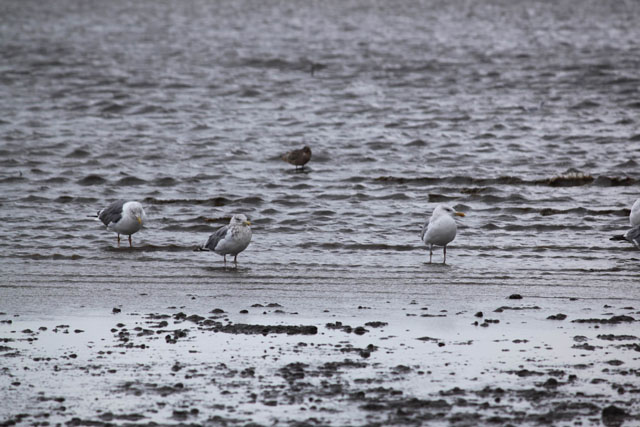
571	178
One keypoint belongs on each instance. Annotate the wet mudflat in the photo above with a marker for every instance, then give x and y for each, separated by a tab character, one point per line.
219	359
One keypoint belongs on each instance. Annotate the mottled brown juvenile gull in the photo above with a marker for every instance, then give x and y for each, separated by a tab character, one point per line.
441	229
298	157
123	217
230	239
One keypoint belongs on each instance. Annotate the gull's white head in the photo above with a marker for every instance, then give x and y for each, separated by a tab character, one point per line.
135	210
239	219
445	210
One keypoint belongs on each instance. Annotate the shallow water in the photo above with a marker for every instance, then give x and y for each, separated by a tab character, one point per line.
187	107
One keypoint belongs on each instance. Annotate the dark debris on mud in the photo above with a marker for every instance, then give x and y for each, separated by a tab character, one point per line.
330	378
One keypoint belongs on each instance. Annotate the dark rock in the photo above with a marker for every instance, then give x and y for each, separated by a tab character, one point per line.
428	339
611	337
558	316
504	307
633	346
194	318
249	329
612	320
376	324
515	296
248	372
456	391
335	325
525	373
584	346
293	371
612	416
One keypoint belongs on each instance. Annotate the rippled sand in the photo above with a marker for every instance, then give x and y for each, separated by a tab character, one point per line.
522	115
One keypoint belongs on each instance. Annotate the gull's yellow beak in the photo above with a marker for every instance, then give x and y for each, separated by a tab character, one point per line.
247	223
139	220
459	214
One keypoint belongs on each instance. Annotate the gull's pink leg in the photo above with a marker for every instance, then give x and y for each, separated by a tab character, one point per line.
130	244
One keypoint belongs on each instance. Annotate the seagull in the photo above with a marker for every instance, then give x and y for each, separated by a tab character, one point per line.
298	157
634	216
230	239
633	235
123	218
440	230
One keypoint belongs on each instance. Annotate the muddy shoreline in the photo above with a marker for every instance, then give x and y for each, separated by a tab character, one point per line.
381	363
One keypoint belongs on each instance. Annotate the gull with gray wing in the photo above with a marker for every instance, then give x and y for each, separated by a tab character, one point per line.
123	217
230	239
633	235
440	230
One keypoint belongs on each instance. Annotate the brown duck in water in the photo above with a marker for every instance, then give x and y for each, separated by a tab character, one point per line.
298	157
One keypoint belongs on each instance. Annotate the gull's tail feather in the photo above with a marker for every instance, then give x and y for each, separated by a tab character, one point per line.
633	236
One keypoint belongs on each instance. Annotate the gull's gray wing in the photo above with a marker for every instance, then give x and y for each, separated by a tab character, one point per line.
424	230
113	213
215	238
